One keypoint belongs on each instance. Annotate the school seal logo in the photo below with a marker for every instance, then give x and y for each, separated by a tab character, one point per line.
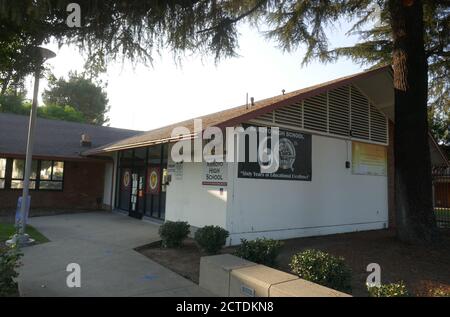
153	180
287	154
126	179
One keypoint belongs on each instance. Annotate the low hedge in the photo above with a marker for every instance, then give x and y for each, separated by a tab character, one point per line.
263	251
9	263
211	239
388	290
173	233
322	268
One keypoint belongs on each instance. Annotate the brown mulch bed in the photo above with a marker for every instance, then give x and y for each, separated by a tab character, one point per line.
422	268
184	261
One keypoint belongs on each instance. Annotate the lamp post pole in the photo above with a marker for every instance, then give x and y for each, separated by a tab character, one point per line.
23	239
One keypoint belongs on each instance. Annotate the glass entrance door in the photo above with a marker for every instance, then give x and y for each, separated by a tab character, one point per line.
124	189
142	180
137	195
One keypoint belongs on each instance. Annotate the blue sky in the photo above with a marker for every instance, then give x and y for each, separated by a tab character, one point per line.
145	98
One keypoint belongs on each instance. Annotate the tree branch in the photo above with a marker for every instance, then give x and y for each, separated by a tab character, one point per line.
228	21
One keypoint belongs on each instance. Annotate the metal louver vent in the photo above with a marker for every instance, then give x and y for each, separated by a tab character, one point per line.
290	115
339	111
378	125
267	117
359	114
336	113
315	115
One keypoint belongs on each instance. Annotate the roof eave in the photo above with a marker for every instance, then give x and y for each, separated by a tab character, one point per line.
251	114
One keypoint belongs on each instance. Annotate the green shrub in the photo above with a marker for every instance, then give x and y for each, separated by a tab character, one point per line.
388	290
9	262
263	251
211	238
440	292
173	233
322	268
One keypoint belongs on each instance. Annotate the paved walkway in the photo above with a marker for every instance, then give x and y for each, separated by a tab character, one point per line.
102	244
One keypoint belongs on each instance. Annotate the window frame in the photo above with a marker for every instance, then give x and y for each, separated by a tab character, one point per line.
12	179
51	176
9	175
6	174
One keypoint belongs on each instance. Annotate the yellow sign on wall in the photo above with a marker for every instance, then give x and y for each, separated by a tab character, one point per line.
369	159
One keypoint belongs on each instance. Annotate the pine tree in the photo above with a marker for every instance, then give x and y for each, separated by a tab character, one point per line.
412	36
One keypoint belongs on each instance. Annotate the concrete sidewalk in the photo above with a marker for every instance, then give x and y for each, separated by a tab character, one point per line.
102	244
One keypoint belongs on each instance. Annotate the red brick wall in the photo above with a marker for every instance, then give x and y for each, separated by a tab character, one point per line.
391	177
83	185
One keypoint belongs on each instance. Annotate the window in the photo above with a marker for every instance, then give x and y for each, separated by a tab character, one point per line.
45	175
18	170
2	173
51	175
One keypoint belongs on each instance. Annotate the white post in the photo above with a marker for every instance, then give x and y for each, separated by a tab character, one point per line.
21	237
29	155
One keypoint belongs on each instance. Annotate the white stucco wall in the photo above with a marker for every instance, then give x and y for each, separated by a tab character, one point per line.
188	200
334	201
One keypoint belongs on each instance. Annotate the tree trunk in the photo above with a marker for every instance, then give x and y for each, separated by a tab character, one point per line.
415	219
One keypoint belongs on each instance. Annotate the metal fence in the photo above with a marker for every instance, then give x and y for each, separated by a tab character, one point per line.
441	195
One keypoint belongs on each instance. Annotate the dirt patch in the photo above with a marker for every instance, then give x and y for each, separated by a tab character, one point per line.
421	268
184	261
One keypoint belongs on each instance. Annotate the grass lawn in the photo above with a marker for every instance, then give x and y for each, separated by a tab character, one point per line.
443	217
8	229
442	213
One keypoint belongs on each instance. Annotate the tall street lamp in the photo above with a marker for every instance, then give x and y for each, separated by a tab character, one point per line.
21	238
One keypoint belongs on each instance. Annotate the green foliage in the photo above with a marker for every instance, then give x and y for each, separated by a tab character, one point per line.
18	58
439	121
82	95
211	238
13	104
9	263
16	104
263	251
173	233
388	290
57	112
375	48
136	29
322	268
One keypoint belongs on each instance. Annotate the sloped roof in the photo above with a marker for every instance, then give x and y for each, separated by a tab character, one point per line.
233	116
54	138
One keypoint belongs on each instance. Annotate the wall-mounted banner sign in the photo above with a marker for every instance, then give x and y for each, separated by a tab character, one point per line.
153	177
295	159
126	178
176	170
369	159
215	174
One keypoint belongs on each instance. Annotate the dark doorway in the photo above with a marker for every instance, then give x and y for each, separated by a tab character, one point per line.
142	176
